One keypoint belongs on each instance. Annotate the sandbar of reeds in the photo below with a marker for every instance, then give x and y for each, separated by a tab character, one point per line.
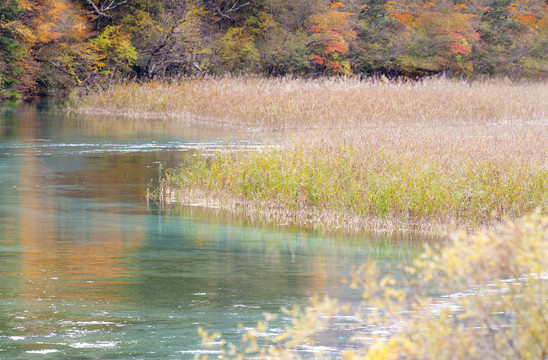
379	180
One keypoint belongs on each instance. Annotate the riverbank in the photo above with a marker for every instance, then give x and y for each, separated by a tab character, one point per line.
353	155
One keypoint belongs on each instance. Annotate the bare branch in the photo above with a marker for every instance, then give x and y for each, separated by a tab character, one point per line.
63	70
224	14
235	7
113	4
97	11
102	11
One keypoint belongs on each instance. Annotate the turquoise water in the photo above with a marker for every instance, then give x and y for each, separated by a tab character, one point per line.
90	270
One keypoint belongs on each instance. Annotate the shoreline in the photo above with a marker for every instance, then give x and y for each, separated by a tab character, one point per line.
325	221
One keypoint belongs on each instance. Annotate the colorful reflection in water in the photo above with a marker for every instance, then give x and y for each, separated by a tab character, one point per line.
90	270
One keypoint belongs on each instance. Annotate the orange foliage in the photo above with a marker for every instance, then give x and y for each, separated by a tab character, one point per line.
52	20
404	18
52	32
527	20
530	14
460	7
457	44
331	32
337	4
339	21
333	42
330	64
403	11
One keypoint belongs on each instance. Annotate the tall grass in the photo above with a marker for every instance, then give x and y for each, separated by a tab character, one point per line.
381	155
332	102
357	154
348	184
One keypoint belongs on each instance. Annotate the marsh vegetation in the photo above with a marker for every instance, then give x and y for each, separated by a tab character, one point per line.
359	155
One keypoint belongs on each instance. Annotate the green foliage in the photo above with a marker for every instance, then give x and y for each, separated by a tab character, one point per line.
115	51
513	42
167	36
285	56
379	43
10	49
237	51
281	52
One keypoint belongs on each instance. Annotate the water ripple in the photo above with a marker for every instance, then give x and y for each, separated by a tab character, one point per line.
19	149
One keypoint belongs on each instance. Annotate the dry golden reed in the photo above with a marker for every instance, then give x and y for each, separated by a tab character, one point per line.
328	102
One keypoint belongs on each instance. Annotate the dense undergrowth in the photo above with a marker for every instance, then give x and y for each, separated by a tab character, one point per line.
481	297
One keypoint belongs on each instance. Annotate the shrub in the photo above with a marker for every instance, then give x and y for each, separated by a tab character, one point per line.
482	296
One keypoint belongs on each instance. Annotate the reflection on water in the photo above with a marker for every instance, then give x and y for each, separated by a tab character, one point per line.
91	270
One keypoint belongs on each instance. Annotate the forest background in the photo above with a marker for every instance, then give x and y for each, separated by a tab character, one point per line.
50	47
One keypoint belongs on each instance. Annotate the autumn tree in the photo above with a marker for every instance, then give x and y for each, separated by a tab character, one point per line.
237	51
280	51
167	37
514	37
58	55
432	36
380	41
331	32
115	53
52	46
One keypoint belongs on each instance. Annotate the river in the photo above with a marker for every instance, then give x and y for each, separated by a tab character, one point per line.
90	269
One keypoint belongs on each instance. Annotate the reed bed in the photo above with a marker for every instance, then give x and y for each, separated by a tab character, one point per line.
349	182
332	102
355	155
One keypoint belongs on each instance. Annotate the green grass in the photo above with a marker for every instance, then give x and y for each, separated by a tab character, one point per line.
342	185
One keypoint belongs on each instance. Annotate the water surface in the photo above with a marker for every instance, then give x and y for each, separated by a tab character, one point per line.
90	270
